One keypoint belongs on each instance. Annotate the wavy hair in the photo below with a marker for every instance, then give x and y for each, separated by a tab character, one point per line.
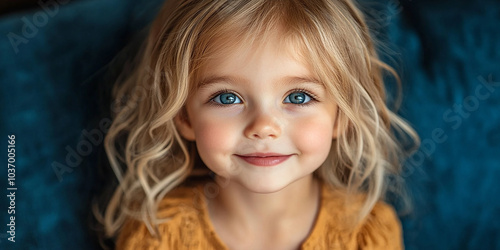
149	157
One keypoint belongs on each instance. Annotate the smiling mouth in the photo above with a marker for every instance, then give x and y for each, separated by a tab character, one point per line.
264	160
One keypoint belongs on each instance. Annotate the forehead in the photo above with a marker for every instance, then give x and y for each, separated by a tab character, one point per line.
271	53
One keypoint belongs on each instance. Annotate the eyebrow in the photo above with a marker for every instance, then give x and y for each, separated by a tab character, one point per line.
233	79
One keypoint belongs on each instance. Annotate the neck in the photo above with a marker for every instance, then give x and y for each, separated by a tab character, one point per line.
296	204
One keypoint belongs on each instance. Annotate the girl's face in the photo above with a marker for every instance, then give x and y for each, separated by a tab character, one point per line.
259	117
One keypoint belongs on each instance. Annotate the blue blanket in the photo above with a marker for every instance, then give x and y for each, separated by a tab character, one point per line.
52	89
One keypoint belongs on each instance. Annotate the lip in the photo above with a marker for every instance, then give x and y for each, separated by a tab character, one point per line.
264	159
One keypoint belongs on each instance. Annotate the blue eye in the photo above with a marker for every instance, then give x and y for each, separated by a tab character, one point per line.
227	98
297	98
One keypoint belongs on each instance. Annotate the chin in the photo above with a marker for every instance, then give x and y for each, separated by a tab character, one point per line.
264	187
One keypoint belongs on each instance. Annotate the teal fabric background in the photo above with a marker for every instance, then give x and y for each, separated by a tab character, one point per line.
54	90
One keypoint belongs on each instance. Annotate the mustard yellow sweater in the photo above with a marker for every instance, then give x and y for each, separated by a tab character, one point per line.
190	226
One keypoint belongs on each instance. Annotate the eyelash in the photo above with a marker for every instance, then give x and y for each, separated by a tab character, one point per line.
313	97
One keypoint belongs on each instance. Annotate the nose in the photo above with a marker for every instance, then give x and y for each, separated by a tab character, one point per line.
263	126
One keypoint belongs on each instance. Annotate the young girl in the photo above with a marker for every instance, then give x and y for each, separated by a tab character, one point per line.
255	124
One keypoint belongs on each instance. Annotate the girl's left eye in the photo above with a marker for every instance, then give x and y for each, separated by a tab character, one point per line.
297	98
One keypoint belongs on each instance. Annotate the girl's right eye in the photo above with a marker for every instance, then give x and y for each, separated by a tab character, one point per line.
226	99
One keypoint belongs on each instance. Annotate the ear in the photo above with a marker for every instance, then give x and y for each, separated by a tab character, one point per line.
183	125
340	125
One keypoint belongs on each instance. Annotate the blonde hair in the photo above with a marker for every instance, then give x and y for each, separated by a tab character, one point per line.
150	158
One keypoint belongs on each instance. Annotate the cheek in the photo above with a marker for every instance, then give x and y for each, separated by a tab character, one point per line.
214	139
314	136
